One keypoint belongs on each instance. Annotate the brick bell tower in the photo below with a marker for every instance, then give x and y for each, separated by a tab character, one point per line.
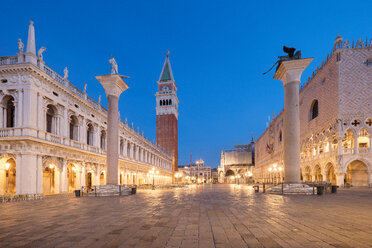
167	114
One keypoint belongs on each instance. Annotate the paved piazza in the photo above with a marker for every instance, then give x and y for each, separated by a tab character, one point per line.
199	216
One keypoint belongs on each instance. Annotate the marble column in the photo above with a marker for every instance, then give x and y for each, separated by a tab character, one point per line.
340	179
289	72
114	85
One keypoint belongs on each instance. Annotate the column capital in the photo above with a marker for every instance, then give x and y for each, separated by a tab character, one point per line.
291	70
113	84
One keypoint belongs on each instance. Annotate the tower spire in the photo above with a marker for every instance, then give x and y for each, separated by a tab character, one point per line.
31	47
166	73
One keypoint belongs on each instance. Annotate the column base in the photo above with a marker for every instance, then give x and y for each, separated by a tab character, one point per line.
291	188
109	190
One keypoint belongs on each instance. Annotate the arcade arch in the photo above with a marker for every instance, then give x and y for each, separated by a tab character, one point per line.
8	177
357	173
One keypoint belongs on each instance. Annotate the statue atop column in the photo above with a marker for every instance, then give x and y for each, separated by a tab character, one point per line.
21	46
114	66
291	55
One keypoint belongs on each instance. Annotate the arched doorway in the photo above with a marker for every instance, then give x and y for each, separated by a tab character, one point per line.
318	174
331	175
71	178
102	178
89	179
121	179
230	176
308	174
356	174
49	179
10	177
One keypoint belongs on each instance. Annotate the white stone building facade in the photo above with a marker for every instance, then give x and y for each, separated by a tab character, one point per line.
53	136
335	122
197	172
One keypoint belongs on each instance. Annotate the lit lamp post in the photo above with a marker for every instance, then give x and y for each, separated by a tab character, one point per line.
192	179
152	173
7	165
187	178
238	178
248	175
270	169
177	175
273	176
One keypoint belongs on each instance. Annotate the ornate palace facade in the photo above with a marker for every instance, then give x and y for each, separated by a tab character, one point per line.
53	136
335	122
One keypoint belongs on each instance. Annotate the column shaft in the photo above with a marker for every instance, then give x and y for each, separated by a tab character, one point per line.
292	132
112	139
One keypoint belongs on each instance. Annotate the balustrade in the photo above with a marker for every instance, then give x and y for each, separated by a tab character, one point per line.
363	149
348	150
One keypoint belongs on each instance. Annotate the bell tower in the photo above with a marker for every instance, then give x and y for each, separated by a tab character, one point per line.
167	114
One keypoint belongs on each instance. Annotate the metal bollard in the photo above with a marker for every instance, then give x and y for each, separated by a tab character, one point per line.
282	189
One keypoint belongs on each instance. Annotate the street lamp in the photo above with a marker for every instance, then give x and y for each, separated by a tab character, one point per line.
238	178
152	172
270	169
280	174
177	175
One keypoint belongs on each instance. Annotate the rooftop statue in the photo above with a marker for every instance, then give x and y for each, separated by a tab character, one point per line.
65	71
114	66
291	55
21	46
40	52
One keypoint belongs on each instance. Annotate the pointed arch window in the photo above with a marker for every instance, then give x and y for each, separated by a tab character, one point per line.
170	101
314	110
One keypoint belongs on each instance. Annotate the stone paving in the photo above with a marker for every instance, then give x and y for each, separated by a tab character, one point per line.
199	216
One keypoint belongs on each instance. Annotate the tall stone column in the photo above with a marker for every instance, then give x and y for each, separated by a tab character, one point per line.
289	72
114	85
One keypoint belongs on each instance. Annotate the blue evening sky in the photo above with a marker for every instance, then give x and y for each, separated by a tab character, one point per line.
218	51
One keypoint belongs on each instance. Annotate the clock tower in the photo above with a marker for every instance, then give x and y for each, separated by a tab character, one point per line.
167	114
